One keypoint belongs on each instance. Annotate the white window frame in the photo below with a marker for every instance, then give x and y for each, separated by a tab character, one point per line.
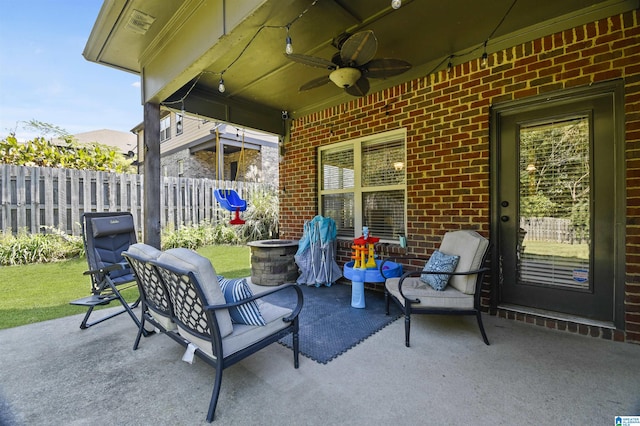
179	123
165	128
357	190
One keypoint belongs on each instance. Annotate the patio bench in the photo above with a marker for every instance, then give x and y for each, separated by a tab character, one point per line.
183	298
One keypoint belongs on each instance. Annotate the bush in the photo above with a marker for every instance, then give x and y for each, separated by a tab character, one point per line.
42	153
197	236
536	206
26	248
261	217
261	223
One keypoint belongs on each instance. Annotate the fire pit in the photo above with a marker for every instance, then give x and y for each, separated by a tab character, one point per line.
273	262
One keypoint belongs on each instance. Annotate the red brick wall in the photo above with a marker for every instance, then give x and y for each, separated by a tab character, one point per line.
446	115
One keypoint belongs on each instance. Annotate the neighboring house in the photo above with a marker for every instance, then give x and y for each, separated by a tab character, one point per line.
122	141
188	149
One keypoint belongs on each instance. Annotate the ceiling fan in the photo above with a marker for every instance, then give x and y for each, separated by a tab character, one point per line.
353	64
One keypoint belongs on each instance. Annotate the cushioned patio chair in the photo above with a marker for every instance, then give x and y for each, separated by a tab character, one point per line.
222	326
105	236
449	284
155	304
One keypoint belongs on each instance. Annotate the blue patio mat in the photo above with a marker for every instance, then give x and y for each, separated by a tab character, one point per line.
329	326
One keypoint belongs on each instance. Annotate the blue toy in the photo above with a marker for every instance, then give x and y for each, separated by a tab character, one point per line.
230	200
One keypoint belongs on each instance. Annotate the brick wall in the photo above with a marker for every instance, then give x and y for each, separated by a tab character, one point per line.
446	115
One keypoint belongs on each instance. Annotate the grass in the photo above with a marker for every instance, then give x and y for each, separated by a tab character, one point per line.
580	251
42	291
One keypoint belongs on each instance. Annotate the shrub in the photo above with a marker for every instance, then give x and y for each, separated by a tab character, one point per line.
261	223
261	217
26	248
196	236
536	206
71	155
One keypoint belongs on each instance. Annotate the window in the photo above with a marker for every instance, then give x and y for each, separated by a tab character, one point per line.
165	128
179	120
362	183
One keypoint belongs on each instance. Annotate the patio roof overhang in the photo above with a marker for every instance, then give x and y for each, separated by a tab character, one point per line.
180	49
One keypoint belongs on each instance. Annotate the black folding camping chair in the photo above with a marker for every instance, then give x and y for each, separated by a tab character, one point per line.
106	235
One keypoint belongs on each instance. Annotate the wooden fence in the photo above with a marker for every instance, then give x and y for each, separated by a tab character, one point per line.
553	230
36	199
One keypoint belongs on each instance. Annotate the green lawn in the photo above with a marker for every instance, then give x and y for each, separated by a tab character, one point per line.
40	292
580	251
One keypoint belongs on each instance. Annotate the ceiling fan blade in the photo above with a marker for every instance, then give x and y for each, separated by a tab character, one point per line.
386	67
360	88
312	61
316	82
359	49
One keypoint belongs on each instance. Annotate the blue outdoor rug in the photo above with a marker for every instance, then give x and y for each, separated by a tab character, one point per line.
329	326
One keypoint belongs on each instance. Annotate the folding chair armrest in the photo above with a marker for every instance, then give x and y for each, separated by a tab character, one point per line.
114	267
294	314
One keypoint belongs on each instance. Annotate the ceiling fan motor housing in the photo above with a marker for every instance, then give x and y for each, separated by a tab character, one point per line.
345	77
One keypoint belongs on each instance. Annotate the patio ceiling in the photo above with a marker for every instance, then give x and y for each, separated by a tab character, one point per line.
181	47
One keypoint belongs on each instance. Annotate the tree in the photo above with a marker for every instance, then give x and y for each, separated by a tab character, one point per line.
554	164
70	154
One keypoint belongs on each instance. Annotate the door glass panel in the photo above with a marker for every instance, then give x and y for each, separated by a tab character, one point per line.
554	195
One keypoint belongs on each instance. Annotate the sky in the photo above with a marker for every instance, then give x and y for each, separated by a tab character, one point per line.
44	77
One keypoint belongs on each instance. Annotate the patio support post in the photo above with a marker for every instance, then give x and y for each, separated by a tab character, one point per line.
152	174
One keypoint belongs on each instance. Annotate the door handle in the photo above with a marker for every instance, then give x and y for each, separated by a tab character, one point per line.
504	218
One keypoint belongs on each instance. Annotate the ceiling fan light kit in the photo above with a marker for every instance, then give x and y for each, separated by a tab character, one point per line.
345	77
351	68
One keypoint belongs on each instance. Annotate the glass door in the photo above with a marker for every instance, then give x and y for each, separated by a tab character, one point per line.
556	207
554	197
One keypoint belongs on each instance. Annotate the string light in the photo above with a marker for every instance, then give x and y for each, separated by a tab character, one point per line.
288	48
396	4
485	57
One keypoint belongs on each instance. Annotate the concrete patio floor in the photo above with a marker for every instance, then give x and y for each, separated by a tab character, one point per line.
53	373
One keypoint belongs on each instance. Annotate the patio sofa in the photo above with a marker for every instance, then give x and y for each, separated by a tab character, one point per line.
219	320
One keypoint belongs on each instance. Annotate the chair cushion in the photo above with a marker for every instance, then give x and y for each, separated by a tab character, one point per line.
112	225
415	288
206	275
470	246
144	251
439	262
234	290
245	335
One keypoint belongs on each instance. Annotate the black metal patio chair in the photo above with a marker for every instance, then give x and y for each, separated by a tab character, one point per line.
183	298
105	236
449	284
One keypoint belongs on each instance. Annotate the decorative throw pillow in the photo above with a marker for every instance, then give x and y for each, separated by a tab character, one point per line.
439	262
234	290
